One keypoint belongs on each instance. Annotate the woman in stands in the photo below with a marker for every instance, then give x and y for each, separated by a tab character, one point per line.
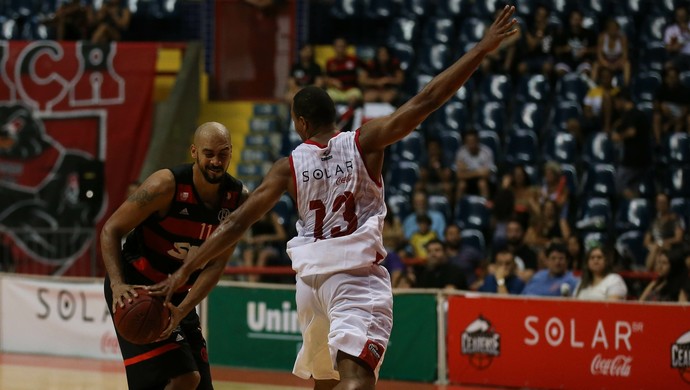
382	77
598	281
671	284
612	51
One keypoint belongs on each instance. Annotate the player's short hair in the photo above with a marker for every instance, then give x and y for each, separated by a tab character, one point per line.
314	104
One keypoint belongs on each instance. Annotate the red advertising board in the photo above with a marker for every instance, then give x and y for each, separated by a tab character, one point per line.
565	344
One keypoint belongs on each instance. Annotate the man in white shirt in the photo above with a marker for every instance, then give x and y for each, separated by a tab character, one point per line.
677	40
474	166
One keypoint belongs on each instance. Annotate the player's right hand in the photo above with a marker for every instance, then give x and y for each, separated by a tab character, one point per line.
123	292
500	29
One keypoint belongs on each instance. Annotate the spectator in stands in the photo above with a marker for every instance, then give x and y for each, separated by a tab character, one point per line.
612	51
575	47
419	239
514	198
671	283
474	166
633	135
304	72
671	105
599	282
420	206
435	175
555	280
555	187
437	272
666	231
264	244
342	75
70	21
597	106
382	78
502	60
525	257
394	242
465	257
547	225
575	253
537	56
110	22
503	278
677	39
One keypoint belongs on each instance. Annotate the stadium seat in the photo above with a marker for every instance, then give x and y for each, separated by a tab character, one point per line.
450	142
663	7
631	249
471	31
379	9
676	149
652	29
399	204
465	93
521	148
410	148
439	30
416	8
402	30
595	215
652	57
564	111
677	183
433	59
451	8
471	212
599	149
285	208
633	214
561	147
404	52
594	239
495	88
473	238
347	9
403	176
530	116
524	8
681	206
645	85
571	87
685	78
599	181
571	177
485	9
533	88
630	8
452	116
490	116
441	204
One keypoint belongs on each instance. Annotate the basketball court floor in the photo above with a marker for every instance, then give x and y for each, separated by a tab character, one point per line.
32	372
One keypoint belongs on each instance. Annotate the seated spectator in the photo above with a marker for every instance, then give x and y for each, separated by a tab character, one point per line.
548	225
666	231
462	256
599	282
502	60
435	175
304	72
555	187
677	39
612	52
575	46
342	75
265	243
515	198
555	280
437	272
537	54
671	105
382	78
394	242
632	134
525	257
474	166
110	22
420	206
70	21
575	253
597	109
671	283
419	238
503	279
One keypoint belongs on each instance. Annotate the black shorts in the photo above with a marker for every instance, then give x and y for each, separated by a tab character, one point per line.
151	366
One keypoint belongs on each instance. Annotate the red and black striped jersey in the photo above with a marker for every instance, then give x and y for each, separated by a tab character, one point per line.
158	246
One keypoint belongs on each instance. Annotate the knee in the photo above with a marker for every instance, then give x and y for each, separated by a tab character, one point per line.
186	381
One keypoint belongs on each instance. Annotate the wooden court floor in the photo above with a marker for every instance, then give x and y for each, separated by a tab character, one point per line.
34	372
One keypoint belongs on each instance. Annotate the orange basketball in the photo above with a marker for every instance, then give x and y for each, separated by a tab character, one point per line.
142	320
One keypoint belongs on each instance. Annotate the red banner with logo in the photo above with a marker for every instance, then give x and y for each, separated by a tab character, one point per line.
75	123
544	343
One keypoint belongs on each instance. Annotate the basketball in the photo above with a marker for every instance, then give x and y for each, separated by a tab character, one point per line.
142	320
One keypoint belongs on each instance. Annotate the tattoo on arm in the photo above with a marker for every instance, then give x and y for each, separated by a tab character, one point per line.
142	197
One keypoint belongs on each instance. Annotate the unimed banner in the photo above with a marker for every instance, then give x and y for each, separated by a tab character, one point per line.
75	123
257	327
539	343
56	318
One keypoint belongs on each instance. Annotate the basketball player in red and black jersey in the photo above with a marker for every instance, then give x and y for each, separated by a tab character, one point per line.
343	294
167	218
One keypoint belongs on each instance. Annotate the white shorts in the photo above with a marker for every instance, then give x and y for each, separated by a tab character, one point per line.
349	311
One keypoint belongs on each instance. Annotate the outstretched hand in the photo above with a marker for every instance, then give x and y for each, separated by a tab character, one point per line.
499	30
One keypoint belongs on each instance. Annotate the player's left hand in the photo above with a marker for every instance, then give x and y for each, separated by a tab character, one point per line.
167	287
176	316
501	28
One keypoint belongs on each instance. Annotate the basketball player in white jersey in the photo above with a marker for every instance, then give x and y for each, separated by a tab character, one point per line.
344	298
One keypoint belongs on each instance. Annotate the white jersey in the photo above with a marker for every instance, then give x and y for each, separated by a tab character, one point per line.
341	208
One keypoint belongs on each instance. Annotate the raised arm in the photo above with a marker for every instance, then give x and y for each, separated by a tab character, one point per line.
259	202
381	132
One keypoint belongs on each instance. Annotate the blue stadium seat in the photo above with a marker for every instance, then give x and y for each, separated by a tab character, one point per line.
399	204
633	214
485	9
652	29
471	31
379	9
410	148
599	181
473	238
256	155
404	52
495	88
561	147
631	8
533	88
571	177
439	30
647	186
685	78
599	149
524	8
285	208
571	87
452	116
681	206
471	212
402	30
491	139
564	111
630	247
416	8
663	7
490	116
433	59
521	148
676	149
530	116
677	183
465	93
441	204
450	142
594	215
451	8
403	176
250	169
652	57
347	9
645	85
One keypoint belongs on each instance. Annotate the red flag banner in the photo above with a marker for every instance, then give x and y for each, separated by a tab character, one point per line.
566	344
75	123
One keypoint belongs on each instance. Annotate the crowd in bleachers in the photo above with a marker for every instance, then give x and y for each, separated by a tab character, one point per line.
574	133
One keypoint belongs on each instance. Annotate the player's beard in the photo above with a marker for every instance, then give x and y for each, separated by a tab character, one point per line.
206	172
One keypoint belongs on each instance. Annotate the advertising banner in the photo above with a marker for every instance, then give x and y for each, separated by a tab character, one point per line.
75	125
540	343
56	318
255	327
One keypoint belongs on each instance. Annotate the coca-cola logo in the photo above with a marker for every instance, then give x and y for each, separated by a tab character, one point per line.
343	179
109	344
619	365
